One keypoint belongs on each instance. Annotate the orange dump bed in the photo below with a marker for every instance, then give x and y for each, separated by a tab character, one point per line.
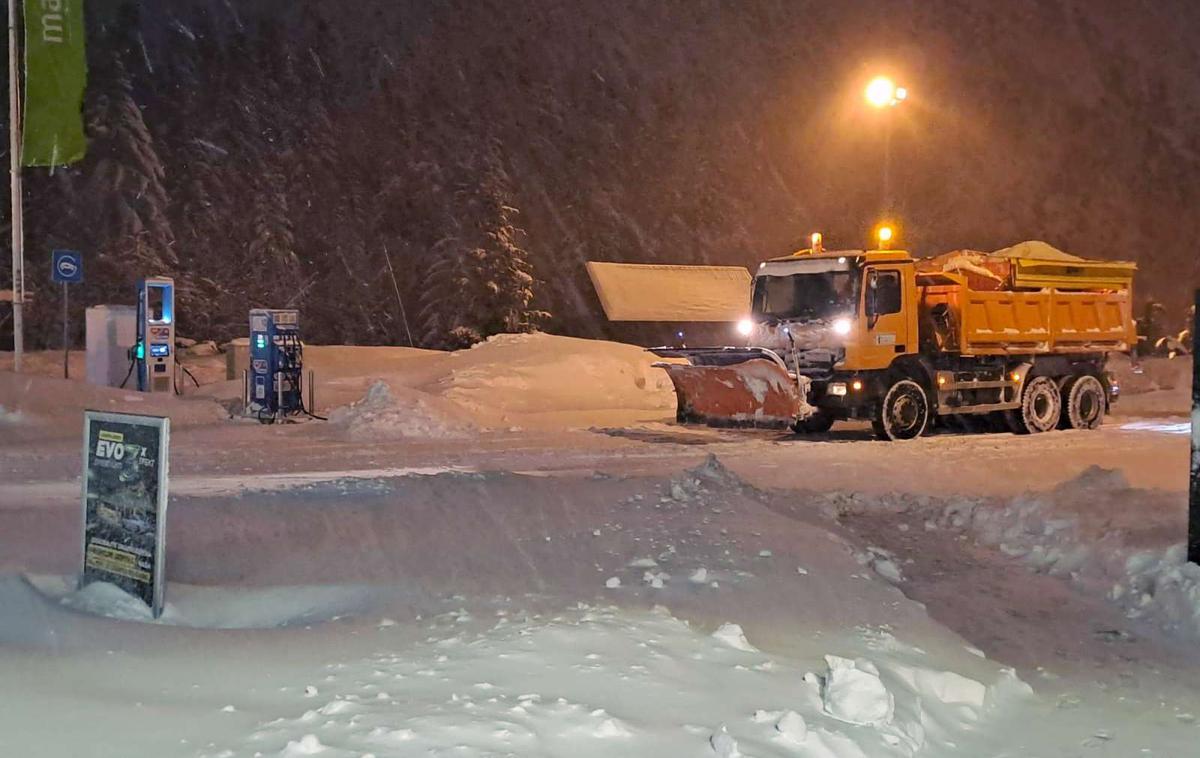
956	318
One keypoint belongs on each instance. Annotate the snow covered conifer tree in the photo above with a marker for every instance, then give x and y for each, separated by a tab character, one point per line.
125	178
481	282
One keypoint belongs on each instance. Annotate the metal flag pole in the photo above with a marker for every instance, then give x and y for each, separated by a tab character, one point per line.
14	157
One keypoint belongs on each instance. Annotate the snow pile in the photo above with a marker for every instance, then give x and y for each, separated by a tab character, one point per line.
733	636
854	693
542	373
1036	250
10	417
387	414
883	562
703	480
106	599
1155	584
604	682
1088	531
1162	585
508	380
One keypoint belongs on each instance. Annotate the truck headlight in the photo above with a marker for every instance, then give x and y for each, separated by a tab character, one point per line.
837	388
745	326
841	326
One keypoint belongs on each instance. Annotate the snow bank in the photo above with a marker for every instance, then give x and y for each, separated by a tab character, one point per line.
541	373
53	406
210	607
1094	530
387	414
1155	584
508	380
605	682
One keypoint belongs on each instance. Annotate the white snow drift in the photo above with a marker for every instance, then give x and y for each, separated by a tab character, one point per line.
605	682
386	413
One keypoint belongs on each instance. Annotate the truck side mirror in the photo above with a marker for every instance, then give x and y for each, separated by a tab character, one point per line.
872	289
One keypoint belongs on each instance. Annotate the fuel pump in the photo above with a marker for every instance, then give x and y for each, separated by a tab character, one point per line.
275	386
154	352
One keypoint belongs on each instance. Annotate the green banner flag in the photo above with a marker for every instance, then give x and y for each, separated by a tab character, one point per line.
55	75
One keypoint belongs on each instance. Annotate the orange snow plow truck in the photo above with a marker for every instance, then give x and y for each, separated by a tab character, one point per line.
1019	337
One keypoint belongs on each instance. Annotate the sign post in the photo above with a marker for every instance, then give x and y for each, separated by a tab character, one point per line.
66	268
125	503
1193	540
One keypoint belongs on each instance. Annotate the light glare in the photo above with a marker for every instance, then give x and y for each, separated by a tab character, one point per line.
881	92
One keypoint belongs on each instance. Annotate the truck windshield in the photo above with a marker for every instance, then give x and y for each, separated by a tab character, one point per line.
806	295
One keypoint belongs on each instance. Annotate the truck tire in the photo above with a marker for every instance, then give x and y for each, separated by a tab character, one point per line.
903	414
1084	402
818	423
1041	407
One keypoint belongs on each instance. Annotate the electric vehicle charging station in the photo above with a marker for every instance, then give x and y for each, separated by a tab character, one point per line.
274	384
154	351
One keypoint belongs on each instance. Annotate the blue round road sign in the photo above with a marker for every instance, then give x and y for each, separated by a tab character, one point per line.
67	266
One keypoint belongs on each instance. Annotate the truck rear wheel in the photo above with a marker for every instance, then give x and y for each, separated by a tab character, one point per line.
1041	407
1083	397
903	414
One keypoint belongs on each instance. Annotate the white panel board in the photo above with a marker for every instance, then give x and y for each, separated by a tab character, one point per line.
661	292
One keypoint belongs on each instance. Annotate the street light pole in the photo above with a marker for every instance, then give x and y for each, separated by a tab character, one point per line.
887	163
882	93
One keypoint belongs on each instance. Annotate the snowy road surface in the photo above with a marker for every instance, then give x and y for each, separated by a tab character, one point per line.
459	630
607	585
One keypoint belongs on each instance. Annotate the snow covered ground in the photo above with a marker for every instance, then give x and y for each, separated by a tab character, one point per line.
512	550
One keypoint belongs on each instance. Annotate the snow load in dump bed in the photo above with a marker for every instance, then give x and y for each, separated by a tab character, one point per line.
1032	265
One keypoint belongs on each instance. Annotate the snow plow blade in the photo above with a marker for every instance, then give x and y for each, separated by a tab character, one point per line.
735	387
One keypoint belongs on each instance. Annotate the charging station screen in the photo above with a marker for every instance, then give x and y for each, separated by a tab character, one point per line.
160	351
154	303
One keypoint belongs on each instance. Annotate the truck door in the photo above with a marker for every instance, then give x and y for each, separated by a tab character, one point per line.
886	316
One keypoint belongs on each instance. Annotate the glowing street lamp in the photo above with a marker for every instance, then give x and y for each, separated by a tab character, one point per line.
882	92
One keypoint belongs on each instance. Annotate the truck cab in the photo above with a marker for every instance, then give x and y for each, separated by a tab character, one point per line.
834	315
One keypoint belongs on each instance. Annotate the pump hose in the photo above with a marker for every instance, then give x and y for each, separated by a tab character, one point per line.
298	359
128	373
190	375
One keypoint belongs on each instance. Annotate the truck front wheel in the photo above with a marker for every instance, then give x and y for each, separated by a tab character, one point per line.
1084	399
818	423
903	414
1041	407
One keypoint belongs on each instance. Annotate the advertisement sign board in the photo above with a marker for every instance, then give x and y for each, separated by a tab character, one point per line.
125	503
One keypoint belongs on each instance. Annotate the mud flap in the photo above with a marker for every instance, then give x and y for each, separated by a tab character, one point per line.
754	392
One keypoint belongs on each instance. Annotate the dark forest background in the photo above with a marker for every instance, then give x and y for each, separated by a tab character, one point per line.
456	162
